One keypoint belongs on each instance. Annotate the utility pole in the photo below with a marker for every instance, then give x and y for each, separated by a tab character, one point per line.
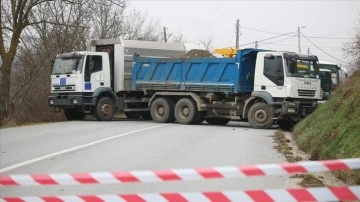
165	37
299	46
308	51
256	44
237	33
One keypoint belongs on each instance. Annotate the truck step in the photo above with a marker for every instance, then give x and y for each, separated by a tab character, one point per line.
137	110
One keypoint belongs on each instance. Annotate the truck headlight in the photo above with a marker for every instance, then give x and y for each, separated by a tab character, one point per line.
74	101
51	102
291	110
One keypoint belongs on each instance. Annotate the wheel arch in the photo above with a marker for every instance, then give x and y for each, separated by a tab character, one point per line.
175	95
257	96
105	92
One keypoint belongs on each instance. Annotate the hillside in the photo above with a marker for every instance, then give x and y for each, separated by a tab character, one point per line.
333	130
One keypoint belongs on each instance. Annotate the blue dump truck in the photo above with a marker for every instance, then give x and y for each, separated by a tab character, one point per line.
259	86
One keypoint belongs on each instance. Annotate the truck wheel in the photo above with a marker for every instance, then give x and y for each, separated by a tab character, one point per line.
72	114
132	115
260	116
217	121
105	109
162	110
186	111
286	125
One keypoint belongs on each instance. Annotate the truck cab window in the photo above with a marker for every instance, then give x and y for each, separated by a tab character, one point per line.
93	64
273	69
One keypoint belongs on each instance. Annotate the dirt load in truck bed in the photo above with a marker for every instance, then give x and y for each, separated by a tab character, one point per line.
198	53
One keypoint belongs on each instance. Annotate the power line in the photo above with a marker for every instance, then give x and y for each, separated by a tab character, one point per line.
324	37
242	34
268	38
222	35
258	30
318	37
322	49
343	31
292	45
274	42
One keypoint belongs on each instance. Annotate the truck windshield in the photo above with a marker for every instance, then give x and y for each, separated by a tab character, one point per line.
302	68
68	65
332	68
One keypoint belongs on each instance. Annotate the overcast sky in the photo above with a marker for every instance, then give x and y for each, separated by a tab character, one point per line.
328	24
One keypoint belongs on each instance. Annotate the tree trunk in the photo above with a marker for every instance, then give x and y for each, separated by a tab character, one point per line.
5	89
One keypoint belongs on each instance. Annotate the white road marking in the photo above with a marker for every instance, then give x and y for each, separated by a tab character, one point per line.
74	149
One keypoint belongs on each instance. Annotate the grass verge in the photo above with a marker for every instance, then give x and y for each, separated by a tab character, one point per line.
333	130
282	146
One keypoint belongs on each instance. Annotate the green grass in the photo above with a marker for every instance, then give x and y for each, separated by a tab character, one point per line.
333	130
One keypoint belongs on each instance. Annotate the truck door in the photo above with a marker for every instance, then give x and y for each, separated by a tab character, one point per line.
274	75
94	76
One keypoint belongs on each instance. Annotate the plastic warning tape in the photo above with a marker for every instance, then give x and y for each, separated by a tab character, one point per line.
178	174
351	193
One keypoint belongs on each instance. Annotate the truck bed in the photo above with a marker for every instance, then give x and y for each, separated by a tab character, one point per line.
226	75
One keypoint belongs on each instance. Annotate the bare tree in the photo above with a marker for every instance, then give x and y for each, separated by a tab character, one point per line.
176	38
40	43
138	26
15	17
108	19
34	31
208	44
352	48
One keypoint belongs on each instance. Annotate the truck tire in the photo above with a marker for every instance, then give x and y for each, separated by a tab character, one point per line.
186	111
286	125
217	121
260	116
132	115
105	109
73	114
162	110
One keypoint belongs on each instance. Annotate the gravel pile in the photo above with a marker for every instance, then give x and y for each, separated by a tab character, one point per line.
198	53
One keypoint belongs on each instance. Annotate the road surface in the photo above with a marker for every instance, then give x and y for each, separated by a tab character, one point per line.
127	145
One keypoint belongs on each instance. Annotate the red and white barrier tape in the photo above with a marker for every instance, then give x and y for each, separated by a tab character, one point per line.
351	193
179	174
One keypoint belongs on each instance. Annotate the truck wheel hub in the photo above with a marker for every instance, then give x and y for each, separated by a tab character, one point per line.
185	111
261	116
106	109
161	110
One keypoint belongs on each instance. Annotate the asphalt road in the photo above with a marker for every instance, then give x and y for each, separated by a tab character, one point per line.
126	145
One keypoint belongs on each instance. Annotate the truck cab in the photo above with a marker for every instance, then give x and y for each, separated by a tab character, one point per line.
81	80
75	78
335	71
289	82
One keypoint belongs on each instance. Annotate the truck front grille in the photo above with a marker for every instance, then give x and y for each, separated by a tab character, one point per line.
306	93
64	88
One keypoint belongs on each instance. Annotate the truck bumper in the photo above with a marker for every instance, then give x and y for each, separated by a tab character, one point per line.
295	110
67	101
